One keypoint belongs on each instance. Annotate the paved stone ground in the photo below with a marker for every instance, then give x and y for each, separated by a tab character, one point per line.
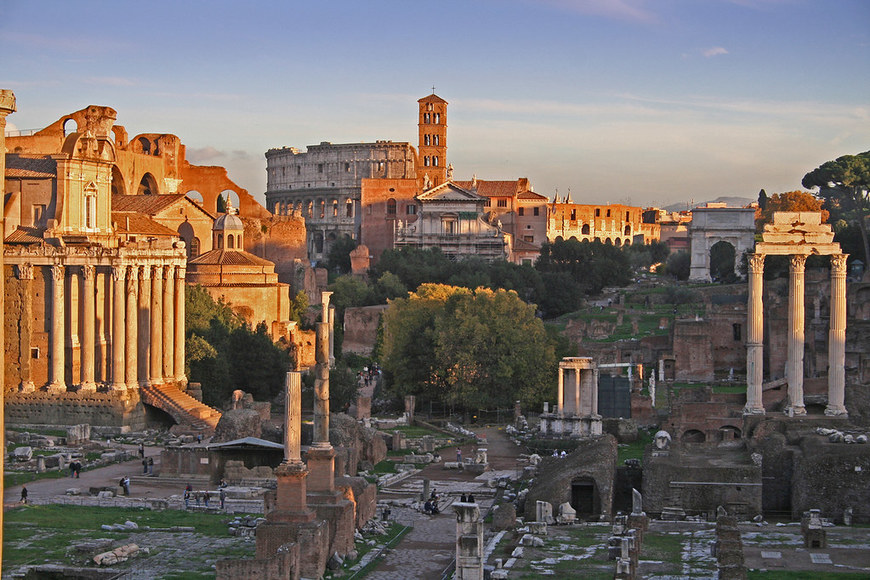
430	547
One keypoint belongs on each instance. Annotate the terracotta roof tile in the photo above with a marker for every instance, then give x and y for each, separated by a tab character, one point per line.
23	235
491	188
229	258
147	204
30	166
531	195
130	222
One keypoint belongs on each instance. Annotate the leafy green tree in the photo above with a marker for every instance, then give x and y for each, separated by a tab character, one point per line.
222	204
298	307
762	200
845	184
471	348
722	260
414	266
678	265
338	258
788	201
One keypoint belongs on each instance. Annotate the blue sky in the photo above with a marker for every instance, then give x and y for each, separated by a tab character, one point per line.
639	101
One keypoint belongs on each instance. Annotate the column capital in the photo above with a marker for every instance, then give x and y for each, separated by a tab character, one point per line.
797	263
157	272
180	272
88	272
25	271
57	272
838	264
145	274
119	273
756	263
133	273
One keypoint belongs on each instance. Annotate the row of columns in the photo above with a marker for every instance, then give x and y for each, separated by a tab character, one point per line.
796	337
584	396
147	326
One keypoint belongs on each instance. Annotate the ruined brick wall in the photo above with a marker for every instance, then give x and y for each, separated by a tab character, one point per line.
361	328
377	225
283	564
279	239
831	477
693	350
616	223
122	412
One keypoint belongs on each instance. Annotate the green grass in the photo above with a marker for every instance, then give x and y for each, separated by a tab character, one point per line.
664	547
635	450
47	432
801	575
13	478
385	466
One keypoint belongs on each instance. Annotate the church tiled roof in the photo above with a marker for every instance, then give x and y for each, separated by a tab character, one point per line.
490	188
30	166
230	258
131	222
147	204
24	235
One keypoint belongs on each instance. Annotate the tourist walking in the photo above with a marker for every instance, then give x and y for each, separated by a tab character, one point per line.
23	494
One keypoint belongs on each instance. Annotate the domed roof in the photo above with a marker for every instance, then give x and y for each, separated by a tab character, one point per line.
228	221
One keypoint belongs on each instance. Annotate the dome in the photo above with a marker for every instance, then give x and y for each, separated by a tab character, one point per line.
228	222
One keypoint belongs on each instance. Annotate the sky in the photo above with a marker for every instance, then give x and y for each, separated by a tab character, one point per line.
646	102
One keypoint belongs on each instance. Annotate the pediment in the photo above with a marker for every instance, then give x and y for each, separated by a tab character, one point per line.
449	191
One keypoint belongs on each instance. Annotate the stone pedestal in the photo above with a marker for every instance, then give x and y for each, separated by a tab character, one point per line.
469	542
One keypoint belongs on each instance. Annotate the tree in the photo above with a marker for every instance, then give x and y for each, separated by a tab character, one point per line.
338	259
222	204
762	200
845	184
788	201
678	265
471	348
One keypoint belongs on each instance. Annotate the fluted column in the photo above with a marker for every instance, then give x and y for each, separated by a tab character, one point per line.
755	337
293	418
119	378
837	339
89	321
132	337
321	454
796	315
55	376
168	324
560	397
179	325
25	332
144	359
157	325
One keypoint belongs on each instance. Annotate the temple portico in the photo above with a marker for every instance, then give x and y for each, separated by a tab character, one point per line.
576	410
797	235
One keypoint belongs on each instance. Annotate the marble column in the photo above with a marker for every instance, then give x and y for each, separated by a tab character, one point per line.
837	339
119	378
169	325
144	359
560	400
796	315
132	337
178	353
595	391
89	321
56	369
291	501
331	336
576	371
755	337
25	276
321	455
157	326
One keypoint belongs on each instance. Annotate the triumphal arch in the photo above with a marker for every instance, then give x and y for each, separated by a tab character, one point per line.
797	235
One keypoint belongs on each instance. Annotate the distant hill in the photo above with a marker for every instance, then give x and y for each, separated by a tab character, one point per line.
731	201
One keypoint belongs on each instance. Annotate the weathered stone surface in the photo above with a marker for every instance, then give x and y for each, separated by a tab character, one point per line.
345	431
236	424
504	517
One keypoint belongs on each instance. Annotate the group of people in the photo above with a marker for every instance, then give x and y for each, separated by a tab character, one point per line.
74	468
203	497
148	466
557	454
430	507
125	485
369	374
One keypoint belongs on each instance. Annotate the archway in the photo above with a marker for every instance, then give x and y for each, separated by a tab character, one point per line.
693	436
185	230
70	126
229	197
119	187
195	196
585	497
148	185
729	433
145	144
722	259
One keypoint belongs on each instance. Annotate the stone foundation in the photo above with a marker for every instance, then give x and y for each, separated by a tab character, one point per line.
340	515
310	541
283	565
122	411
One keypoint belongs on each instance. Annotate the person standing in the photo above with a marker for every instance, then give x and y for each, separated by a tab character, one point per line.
23	494
150	466
223	496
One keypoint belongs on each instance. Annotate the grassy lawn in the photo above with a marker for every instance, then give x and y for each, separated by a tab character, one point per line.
635	450
13	478
43	534
796	575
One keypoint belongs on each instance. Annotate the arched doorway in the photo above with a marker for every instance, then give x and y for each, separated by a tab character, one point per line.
722	257
693	436
185	230
118	185
585	498
148	185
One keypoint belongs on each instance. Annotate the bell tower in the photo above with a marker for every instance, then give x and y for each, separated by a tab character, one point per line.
432	149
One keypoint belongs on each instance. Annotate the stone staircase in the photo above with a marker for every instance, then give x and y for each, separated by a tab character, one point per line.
187	411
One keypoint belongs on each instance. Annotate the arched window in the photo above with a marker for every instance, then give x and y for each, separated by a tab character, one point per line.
348	208
90	202
426	161
627	230
310	209
437	118
231	242
427	118
194	247
391	206
585	230
435	161
220	242
437	139
322	209
335	208
426	140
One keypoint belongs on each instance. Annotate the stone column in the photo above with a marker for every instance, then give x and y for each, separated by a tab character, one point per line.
291	502
132	337
576	371
755	337
157	326
560	400
25	275
331	336
169	325
56	369
178	362
321	455
837	339
796	315
469	541
118	328
595	391
144	326
89	321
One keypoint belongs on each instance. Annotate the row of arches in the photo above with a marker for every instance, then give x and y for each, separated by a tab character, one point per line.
615	241
322	208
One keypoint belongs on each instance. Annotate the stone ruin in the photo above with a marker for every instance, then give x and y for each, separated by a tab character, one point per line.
577	406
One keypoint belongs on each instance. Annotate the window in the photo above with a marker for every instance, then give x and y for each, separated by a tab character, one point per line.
597	212
437	118
348	208
437	140
573	215
521	211
90	210
334	208
627	230
448	225
530	239
391	207
220	242
310	209
536	211
487	202
426	140
426	161
194	247
737	330
34	352
501	203
608	213
322	209
381	166
427	118
435	161
347	167
585	230
231	242
626	216
298	170
411	209
320	168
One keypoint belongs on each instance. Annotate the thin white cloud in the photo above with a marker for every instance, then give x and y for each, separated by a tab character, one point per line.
714	51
